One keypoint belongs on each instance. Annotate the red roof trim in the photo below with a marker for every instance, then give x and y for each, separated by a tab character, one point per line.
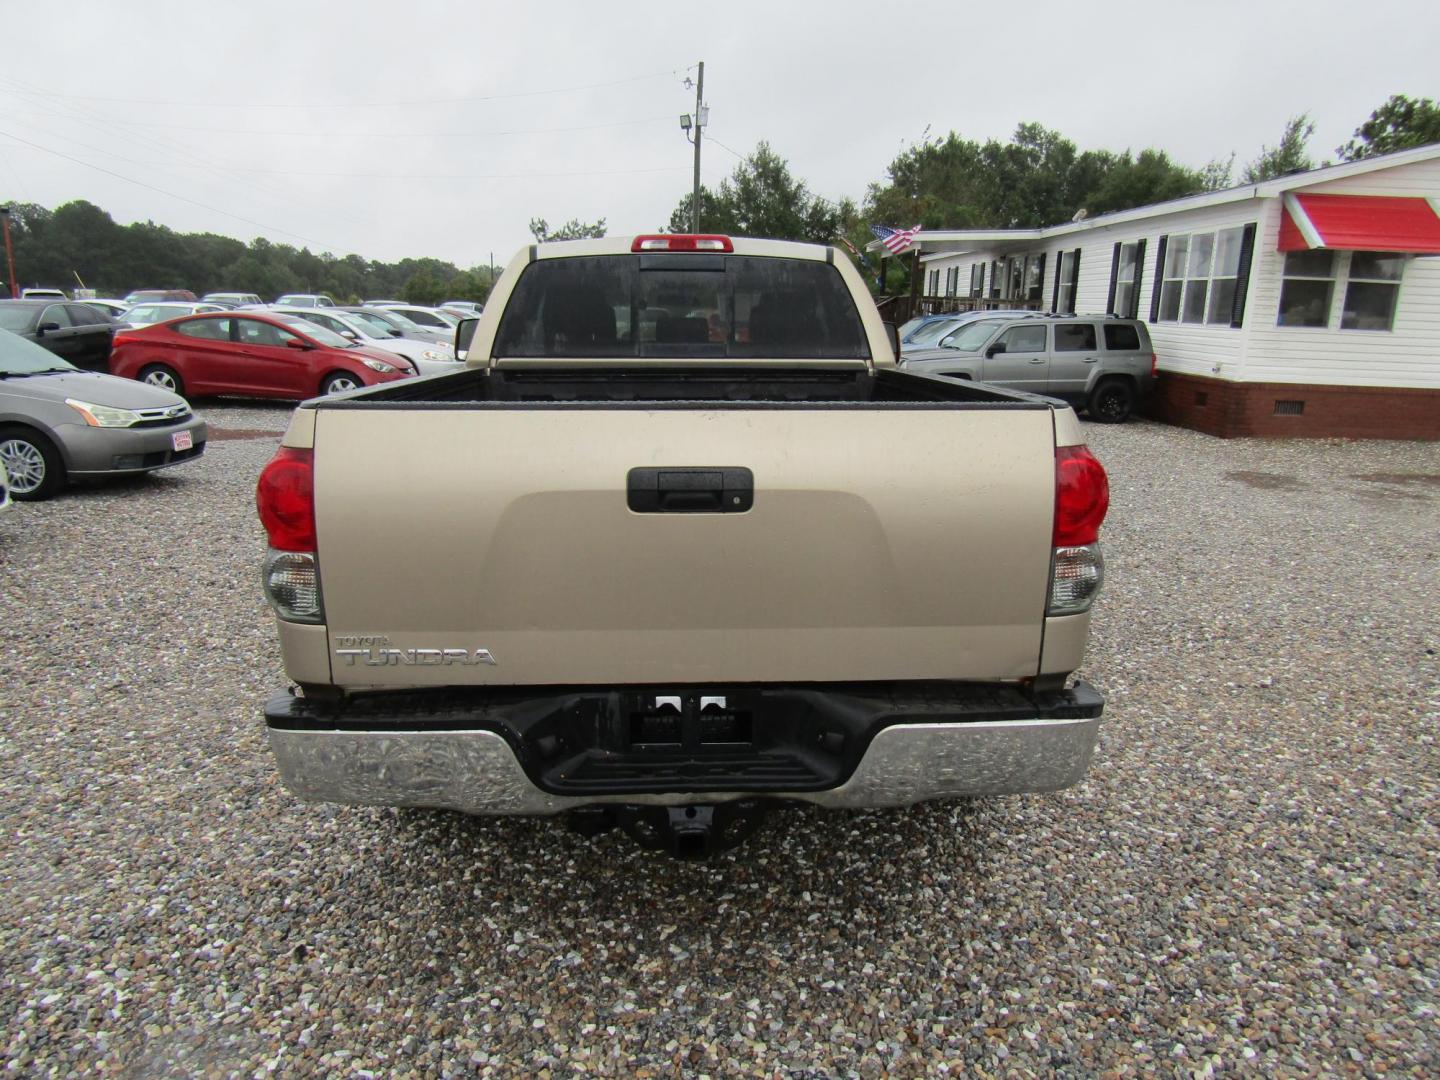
1360	223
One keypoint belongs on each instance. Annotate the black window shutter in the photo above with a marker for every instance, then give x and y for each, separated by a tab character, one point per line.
1159	278
1114	276
1242	276
1055	299
1074	282
1134	311
1040	277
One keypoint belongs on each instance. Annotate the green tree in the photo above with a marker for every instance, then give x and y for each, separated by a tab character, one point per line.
1285	157
1037	178
1399	124
762	198
574	229
423	288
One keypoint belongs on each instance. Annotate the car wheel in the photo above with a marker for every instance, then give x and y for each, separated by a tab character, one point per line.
340	381
164	377
34	465
1112	402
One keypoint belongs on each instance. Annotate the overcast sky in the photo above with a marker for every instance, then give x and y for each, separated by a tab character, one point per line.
441	129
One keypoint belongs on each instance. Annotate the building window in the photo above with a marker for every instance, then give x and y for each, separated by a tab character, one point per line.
1307	288
1015	277
1068	274
1035	277
1371	290
1199	278
1127	282
977	279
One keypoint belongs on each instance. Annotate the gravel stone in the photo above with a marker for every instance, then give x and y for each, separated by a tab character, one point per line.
1247	881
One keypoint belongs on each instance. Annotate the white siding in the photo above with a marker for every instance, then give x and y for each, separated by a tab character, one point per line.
1216	351
1407	356
1417	178
1260	351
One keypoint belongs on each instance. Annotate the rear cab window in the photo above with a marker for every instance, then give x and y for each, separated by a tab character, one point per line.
681	306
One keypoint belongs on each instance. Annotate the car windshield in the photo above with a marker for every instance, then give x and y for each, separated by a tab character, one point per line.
315	333
908	325
971	336
356	326
21	357
934	331
16	318
399	322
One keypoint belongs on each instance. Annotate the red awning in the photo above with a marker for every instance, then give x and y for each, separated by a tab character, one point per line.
1360	223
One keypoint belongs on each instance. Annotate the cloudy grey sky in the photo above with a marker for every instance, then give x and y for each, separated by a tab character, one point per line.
434	128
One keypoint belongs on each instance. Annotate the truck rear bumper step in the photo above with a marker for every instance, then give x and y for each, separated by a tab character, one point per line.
905	749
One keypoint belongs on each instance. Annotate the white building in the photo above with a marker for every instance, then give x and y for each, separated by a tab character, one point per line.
1303	306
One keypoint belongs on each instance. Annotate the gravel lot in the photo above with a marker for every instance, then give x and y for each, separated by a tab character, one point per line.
1247	881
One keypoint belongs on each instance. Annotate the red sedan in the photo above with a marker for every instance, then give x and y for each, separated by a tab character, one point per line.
251	353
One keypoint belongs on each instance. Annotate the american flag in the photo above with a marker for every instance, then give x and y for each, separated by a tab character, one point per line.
895	240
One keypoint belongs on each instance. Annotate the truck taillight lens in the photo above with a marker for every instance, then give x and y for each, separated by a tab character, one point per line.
292	585
1082	496
285	498
1076	574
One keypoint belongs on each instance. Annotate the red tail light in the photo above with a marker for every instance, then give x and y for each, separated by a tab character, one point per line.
1082	495
285	498
683	242
1154	363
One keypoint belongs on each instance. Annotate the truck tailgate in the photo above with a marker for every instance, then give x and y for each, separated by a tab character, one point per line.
882	544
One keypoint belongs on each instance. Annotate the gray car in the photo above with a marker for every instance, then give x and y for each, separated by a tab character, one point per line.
1099	363
396	325
59	423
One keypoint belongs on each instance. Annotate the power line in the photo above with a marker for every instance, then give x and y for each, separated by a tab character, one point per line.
174	195
313	133
191	103
76	114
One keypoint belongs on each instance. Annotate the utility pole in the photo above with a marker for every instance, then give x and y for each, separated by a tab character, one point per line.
699	127
10	252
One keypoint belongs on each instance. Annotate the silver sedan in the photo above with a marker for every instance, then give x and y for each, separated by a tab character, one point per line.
58	422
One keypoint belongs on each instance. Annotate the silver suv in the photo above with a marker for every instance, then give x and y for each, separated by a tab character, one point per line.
1100	363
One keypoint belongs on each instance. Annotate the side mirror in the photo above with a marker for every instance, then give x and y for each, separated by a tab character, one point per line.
995	350
892	334
396	333
297	343
464	334
351	334
45	328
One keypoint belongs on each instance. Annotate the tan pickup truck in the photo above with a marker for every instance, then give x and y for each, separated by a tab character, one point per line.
681	541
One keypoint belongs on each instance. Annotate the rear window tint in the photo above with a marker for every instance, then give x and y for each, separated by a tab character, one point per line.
1121	337
701	306
1074	337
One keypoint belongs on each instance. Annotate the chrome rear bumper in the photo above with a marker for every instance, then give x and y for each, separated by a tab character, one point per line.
477	772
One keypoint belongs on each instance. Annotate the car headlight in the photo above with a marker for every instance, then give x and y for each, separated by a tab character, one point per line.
435	354
103	415
377	365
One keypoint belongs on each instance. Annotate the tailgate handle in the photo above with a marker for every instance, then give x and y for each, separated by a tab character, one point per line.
709	490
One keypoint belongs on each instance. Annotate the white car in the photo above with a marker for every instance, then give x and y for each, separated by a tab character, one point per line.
426	357
42	294
428	317
149	314
305	300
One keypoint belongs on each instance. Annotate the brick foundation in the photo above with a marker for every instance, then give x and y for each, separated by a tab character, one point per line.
1293	410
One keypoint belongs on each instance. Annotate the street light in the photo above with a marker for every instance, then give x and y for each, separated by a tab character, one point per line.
685	123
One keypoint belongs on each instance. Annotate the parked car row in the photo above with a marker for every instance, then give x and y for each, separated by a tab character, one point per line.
1100	363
